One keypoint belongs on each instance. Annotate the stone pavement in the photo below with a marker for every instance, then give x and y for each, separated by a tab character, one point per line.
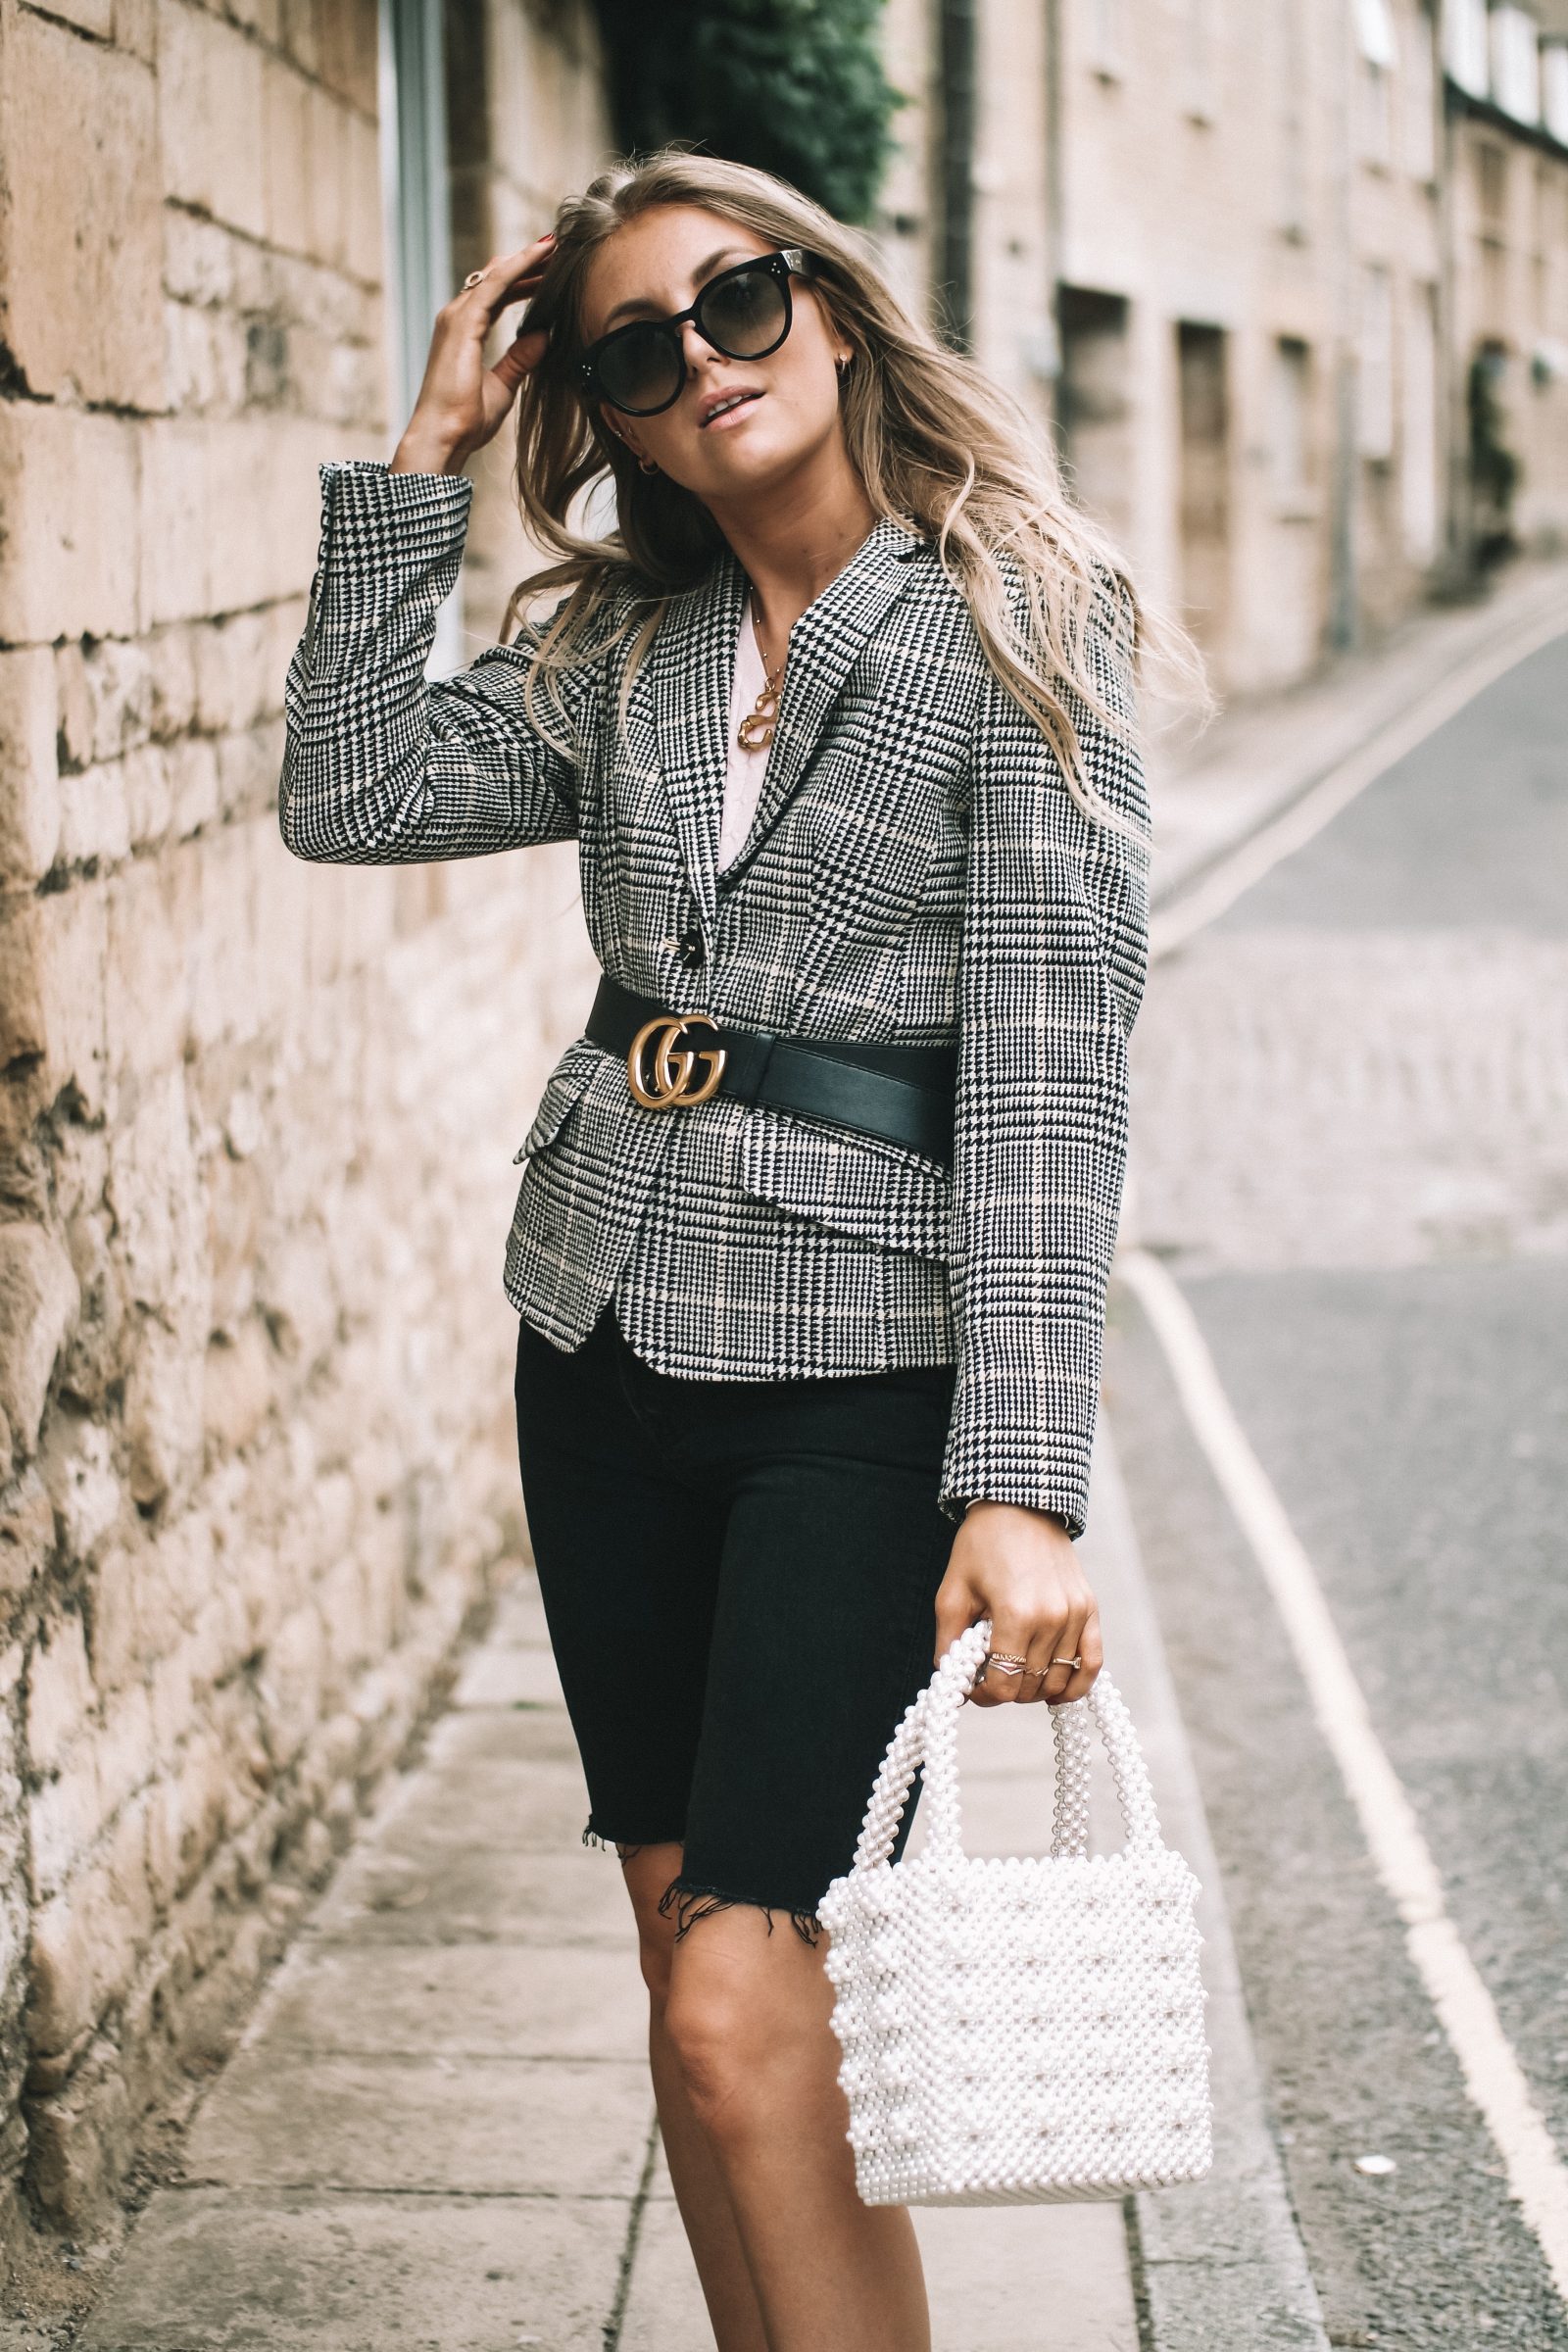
1262	754
437	2134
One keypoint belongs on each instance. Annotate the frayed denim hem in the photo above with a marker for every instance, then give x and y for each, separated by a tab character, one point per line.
624	1848
691	1903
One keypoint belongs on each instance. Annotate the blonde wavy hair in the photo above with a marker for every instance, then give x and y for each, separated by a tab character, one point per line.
933	439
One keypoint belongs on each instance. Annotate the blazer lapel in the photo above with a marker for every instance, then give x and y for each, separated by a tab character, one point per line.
825	644
691	669
691	666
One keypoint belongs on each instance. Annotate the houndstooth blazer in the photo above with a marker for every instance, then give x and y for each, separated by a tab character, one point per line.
915	871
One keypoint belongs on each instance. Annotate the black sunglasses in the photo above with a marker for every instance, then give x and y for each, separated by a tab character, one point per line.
743	311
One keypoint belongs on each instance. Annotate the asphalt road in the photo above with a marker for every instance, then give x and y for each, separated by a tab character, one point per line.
1350	1118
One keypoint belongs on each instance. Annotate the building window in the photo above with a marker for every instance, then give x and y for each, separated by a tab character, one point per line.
1465	50
1200	94
1516	63
1293	425
1374	25
1291	50
1374	421
1554	89
1108	37
1418	437
1421	102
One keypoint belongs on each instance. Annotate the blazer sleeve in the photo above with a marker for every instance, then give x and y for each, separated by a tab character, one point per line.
1052	960
380	766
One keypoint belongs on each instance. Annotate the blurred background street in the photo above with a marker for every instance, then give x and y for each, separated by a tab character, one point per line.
1288	286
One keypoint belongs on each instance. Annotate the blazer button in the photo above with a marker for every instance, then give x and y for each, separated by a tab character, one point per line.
690	949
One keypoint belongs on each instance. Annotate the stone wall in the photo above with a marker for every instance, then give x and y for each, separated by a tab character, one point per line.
255	1117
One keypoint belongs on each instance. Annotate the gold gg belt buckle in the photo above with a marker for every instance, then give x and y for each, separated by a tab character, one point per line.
660	1069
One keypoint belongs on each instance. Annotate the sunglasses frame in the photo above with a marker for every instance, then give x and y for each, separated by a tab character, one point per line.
789	261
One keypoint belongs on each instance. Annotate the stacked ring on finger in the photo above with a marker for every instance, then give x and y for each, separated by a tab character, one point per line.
1008	1660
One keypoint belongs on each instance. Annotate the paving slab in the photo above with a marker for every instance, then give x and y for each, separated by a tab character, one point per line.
213	2270
532	2127
478	1894
463	2000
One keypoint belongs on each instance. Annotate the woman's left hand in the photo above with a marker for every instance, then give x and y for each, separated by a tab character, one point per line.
1019	1568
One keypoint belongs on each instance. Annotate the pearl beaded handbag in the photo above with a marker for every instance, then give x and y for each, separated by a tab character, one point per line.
1026	2029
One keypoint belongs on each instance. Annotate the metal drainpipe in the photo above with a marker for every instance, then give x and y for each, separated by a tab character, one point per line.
1344	618
1055	198
956	44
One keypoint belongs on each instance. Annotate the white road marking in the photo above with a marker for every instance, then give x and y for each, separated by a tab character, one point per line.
1537	2177
1172	926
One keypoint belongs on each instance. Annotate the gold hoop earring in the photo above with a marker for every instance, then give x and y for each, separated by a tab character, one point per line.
647	466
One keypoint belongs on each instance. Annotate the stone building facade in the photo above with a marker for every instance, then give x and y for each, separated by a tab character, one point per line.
1246	262
257	1466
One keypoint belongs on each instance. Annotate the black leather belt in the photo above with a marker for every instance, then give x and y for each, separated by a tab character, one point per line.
903	1093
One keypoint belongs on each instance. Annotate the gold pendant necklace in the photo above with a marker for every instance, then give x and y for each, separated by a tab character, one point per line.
756	731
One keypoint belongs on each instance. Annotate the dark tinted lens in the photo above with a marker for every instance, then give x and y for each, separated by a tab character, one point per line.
639	370
744	314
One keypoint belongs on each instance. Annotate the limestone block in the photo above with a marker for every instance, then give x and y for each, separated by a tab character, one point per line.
163	1413
121	1585
82	2139
200	259
300	33
288	165
27	1539
209	103
137	28
149	800
67	1815
364	249
186	1815
237	1386
149	904
60	1692
69	558
24	1012
84	233
38	1302
170	656
347	55
192	767
94	819
236	681
289	1684
29	807
154	1191
73	973
195	344
78	1466
175	520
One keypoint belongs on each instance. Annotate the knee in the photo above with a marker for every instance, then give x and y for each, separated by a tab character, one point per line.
723	2057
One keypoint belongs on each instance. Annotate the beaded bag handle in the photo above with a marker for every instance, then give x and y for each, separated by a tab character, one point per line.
929	1734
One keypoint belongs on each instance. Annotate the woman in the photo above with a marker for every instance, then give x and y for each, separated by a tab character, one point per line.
811	1290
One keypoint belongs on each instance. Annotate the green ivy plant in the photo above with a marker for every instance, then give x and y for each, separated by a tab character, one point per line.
795	86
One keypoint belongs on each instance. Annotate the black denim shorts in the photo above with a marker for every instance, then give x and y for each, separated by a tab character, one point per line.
739	1580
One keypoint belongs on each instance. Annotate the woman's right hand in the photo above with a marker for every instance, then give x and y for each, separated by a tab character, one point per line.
462	403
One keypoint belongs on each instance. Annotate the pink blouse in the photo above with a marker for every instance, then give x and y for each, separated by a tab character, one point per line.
743	780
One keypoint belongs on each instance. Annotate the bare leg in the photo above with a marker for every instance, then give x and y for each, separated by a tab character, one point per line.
694	2169
747	2018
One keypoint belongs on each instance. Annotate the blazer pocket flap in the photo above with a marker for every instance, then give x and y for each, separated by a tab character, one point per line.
565	1087
857	1184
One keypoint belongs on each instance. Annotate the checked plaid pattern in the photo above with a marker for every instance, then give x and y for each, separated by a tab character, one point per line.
915	870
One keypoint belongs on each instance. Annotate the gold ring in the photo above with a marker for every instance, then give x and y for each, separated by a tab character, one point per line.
1064	1662
473	277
